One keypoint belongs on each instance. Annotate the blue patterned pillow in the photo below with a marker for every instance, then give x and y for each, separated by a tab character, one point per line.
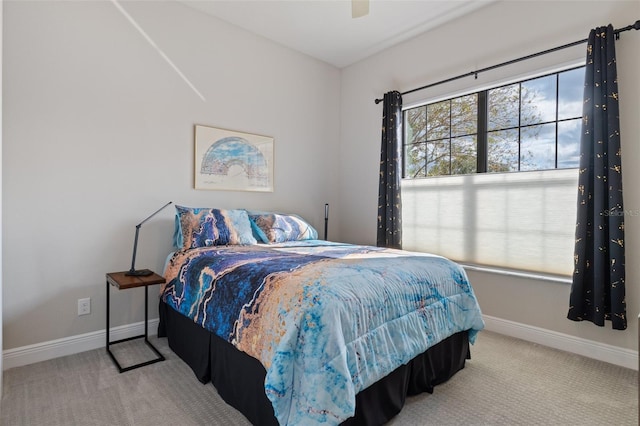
278	228
204	227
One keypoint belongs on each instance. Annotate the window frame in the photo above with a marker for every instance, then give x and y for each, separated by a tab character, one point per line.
482	121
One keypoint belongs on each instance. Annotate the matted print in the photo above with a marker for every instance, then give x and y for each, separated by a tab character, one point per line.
234	161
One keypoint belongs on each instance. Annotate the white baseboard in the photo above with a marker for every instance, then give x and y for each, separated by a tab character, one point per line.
89	341
601	351
71	345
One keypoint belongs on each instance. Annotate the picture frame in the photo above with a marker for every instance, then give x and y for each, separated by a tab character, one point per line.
232	161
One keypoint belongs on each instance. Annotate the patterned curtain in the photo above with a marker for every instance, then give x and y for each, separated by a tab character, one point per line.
389	205
598	290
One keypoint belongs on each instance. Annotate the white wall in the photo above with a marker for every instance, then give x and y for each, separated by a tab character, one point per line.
494	34
98	134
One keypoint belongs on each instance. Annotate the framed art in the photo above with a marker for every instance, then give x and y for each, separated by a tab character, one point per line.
234	161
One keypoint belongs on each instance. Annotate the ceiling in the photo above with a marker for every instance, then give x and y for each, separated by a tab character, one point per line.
324	29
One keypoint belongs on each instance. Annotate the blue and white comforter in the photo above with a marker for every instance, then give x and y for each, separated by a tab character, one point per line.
326	320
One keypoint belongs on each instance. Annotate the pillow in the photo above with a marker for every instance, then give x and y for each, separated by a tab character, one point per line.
278	228
204	227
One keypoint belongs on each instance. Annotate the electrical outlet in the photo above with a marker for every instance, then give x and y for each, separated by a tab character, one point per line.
84	306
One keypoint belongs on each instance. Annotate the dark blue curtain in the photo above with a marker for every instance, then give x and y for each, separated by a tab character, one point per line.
389	204
598	290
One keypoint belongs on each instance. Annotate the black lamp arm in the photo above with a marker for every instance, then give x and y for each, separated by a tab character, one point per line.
132	271
141	272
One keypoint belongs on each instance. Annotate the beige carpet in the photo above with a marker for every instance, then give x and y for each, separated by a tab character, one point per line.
507	382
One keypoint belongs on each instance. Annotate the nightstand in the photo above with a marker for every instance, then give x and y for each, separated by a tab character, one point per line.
125	282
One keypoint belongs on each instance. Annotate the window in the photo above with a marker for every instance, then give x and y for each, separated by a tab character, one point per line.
441	138
528	125
490	178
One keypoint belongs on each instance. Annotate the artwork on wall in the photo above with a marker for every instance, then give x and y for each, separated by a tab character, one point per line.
229	160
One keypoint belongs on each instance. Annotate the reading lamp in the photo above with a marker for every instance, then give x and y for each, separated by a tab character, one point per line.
141	272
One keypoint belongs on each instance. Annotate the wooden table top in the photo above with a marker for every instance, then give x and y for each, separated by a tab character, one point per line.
123	282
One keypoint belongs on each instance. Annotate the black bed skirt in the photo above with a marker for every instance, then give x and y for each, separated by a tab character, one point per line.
239	378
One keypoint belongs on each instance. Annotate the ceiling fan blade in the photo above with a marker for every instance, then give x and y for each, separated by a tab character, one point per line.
359	8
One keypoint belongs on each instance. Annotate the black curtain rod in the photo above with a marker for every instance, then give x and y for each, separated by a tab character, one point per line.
635	26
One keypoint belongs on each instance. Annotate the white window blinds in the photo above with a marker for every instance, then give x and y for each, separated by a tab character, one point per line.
521	220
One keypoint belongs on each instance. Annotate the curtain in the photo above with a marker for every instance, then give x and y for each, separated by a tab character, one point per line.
389	204
598	289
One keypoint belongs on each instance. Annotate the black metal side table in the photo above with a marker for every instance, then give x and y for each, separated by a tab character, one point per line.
124	282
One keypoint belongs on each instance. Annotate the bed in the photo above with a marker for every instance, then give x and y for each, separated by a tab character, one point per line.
293	330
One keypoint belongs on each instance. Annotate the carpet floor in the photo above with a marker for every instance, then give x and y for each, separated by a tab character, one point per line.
507	382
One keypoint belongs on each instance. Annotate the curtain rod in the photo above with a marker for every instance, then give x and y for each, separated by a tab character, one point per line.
635	26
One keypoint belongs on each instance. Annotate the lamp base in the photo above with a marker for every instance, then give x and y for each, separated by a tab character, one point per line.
138	273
